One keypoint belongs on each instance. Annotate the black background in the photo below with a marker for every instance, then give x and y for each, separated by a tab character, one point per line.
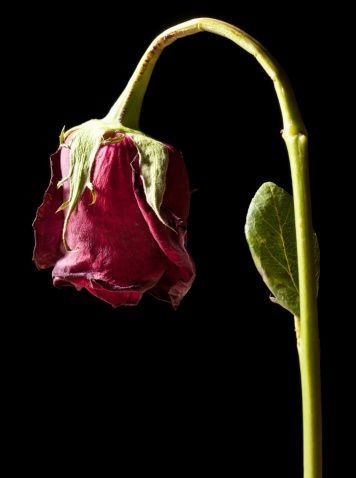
213	386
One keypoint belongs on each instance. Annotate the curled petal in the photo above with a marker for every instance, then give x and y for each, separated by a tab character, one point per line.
47	224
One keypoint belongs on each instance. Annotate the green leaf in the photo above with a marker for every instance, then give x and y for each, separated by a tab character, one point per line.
270	233
153	165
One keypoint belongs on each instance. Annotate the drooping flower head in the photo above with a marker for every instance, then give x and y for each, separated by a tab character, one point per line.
113	219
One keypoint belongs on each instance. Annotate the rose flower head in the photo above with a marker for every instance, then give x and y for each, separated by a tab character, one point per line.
114	216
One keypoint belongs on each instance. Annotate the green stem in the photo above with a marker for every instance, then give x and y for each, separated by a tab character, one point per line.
127	110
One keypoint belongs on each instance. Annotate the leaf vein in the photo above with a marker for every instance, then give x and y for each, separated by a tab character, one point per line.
289	270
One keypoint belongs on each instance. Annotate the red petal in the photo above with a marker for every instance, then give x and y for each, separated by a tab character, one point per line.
114	255
180	270
47	224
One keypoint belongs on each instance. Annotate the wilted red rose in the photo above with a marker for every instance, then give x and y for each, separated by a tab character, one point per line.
119	249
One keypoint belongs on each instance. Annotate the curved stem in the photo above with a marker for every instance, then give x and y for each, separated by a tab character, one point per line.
126	111
127	108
